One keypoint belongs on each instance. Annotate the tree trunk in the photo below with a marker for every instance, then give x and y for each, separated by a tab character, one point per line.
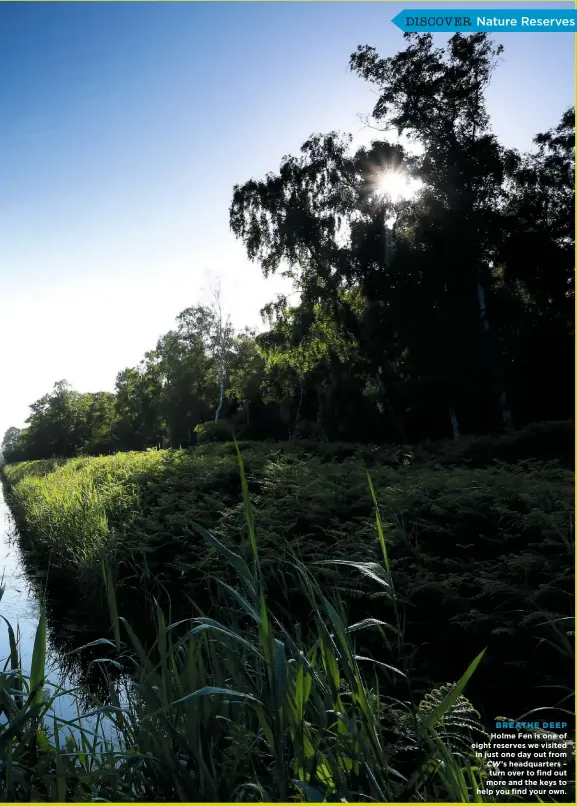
455	425
500	392
505	410
482	306
220	401
397	425
299	409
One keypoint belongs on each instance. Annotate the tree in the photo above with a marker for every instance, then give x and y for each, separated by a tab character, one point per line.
247	372
13	447
138	415
210	327
436	96
188	388
10	439
423	326
536	269
538	253
321	220
101	423
220	342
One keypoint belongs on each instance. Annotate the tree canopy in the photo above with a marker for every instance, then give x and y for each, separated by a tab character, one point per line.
448	311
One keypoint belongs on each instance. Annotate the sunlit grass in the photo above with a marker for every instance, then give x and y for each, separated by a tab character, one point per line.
223	712
66	507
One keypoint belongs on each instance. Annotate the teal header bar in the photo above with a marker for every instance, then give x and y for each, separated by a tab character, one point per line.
470	20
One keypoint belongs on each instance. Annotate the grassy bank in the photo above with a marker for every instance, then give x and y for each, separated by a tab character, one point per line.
250	709
482	551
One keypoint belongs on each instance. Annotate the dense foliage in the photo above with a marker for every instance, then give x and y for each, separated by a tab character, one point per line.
479	549
247	710
446	313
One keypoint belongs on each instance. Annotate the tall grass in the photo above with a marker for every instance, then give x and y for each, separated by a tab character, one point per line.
247	709
475	550
66	507
251	704
44	757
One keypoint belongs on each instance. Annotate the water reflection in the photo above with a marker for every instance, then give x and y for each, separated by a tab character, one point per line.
23	587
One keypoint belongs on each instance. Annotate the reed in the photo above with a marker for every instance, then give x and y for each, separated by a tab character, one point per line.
247	706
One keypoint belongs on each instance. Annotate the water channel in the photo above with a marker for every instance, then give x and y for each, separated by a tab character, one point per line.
20	606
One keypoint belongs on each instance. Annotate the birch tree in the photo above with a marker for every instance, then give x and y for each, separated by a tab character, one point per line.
210	326
220	339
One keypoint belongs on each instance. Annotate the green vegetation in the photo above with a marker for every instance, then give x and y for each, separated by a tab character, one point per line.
481	554
251	710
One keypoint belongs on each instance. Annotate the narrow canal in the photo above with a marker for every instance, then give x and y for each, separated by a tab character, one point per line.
20	606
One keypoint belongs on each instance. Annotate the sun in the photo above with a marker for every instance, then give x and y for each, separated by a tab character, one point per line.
396	185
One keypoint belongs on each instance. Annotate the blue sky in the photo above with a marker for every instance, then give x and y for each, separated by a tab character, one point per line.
123	128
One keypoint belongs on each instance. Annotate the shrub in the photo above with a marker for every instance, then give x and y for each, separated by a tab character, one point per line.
540	442
221	431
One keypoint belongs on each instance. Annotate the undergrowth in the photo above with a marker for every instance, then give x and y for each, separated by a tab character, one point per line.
483	555
249	709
